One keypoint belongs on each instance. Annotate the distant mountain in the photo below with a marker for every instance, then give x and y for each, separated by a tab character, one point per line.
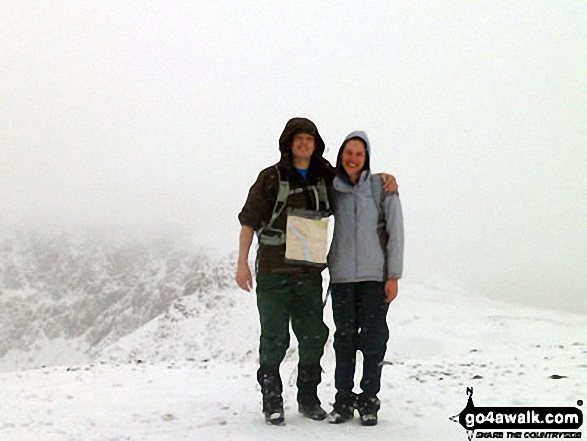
79	292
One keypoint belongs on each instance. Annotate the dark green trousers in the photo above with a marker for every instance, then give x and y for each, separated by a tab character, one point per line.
284	297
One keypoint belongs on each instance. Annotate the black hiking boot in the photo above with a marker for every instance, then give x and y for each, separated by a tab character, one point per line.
312	410
368	407
343	408
271	388
308	402
273	410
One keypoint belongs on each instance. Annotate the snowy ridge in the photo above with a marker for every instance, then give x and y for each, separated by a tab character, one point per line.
65	296
223	327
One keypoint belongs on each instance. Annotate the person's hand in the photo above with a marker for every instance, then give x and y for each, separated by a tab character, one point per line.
244	279
390	290
389	183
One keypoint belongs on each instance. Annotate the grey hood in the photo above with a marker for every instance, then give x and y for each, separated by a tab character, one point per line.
356	134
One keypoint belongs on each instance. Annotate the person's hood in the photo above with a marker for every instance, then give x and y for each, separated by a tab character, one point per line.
359	134
300	125
353	135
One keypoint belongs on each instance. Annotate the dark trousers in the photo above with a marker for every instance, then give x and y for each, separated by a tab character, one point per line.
281	298
360	314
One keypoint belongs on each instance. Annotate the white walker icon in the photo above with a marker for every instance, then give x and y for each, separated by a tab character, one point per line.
457	418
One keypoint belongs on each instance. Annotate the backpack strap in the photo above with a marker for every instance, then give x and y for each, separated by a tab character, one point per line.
268	235
378	199
323	194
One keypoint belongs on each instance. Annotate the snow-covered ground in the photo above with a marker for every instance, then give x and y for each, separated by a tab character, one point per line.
190	374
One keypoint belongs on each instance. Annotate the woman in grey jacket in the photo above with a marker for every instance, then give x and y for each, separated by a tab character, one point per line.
365	263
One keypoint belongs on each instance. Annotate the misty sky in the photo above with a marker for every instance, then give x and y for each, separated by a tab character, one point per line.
156	114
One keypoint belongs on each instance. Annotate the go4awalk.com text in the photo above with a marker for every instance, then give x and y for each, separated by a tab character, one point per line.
530	422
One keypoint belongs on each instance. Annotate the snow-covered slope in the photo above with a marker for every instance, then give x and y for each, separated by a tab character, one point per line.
221	327
65	296
190	374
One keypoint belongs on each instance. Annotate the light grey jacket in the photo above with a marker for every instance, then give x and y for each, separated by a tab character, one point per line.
356	253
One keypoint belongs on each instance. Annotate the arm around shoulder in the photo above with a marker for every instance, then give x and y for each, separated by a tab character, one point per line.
389	182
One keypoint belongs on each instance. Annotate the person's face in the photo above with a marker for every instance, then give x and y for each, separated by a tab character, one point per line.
353	158
303	145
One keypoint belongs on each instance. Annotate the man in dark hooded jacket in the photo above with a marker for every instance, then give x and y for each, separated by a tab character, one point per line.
287	290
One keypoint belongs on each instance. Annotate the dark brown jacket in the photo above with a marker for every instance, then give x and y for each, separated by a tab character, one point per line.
263	194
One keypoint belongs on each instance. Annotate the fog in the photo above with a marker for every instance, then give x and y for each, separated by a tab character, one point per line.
159	115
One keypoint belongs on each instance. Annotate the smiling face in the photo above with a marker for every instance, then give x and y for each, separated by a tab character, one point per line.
302	146
353	158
